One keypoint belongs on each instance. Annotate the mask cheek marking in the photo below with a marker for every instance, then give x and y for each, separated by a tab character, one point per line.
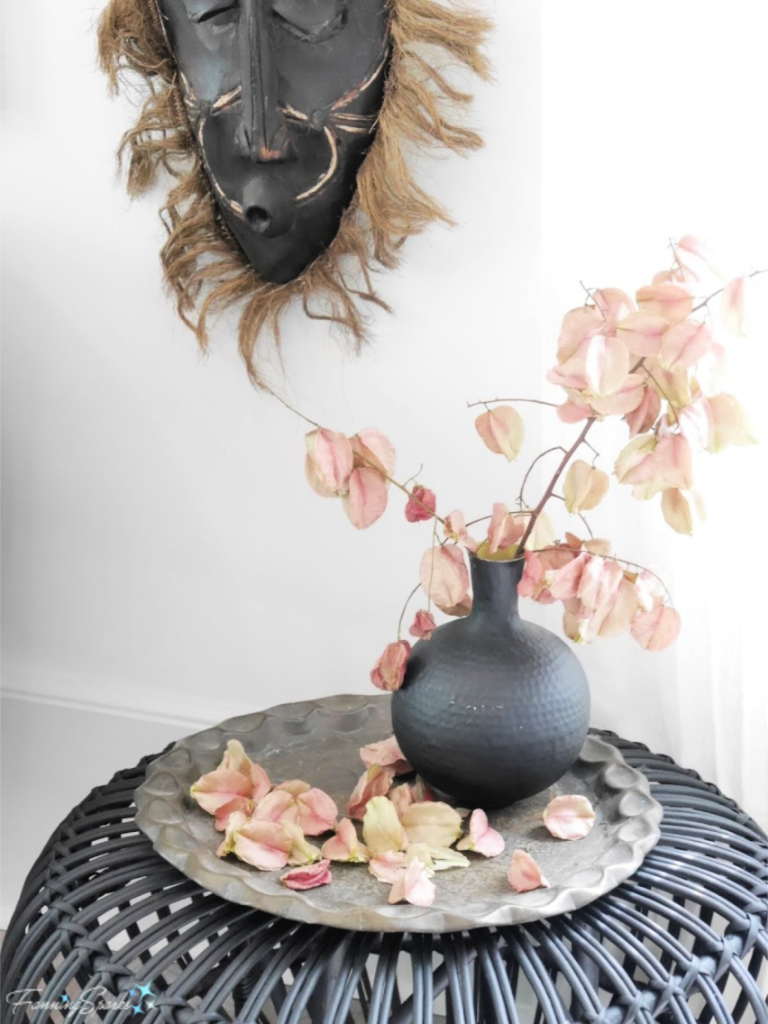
332	167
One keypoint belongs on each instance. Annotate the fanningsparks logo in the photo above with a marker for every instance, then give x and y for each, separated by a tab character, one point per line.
139	999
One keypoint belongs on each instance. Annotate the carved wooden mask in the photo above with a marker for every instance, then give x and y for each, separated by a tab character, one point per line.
286	128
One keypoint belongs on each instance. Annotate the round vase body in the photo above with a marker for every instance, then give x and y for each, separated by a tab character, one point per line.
492	709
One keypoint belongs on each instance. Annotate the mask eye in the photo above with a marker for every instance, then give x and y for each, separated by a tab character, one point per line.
311	20
214	12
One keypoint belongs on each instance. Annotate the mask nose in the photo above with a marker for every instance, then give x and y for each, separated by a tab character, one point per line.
268	208
262	134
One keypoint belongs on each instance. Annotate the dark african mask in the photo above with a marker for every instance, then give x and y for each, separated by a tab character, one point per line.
285	128
283	97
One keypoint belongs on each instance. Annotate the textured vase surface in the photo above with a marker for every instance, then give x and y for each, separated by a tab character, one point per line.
492	708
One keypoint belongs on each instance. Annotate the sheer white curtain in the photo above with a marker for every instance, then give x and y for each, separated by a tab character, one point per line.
652	126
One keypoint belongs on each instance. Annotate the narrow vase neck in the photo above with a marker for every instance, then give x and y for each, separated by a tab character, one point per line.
494	586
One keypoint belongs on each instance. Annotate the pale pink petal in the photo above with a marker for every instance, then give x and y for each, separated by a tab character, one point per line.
683	345
585	486
569	817
372	448
278	805
329	460
650	590
642	418
294	786
421	792
694	255
572	373
389	671
456	530
614	305
732	306
565	581
504	531
388	867
623	401
677	511
729	423
433	823
672	301
302	852
382	829
367	497
220	787
421	505
261	783
239	805
659	465
414	886
309	877
683	277
525	874
573	412
502	429
579	325
444	575
695	422
542	536
345	846
482	838
710	373
401	797
386	753
606	365
235	759
317	812
263	844
656	629
622	612
376	781
642	332
423	625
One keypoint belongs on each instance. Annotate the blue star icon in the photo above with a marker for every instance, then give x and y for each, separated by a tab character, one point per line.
133	992
65	998
146	990
137	1009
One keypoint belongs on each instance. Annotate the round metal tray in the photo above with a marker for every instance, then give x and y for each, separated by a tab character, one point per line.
318	741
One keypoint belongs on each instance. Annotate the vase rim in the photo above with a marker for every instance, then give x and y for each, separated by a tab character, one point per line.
496	561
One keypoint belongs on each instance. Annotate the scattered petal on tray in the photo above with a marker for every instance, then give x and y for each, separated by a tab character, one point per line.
482	838
525	874
569	817
388	754
376	781
308	877
345	846
413	885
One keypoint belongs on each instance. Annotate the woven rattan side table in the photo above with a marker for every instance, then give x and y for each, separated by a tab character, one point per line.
106	929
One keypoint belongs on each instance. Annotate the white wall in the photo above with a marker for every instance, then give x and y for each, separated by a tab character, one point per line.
165	564
163	553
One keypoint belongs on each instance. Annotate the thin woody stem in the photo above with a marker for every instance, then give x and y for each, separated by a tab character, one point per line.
553	482
557	448
432	568
296	412
405	609
709	298
492	401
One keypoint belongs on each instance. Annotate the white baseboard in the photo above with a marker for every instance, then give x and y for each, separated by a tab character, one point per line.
117	698
81	731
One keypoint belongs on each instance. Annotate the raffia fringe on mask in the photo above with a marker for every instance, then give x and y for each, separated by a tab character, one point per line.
203	265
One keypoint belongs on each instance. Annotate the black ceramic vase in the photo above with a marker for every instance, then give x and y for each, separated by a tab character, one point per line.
492	709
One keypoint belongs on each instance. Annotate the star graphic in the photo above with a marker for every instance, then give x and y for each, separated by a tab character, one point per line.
137	1009
65	998
133	992
150	1006
146	990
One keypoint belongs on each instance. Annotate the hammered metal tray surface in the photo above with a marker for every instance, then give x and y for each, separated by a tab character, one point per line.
318	741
